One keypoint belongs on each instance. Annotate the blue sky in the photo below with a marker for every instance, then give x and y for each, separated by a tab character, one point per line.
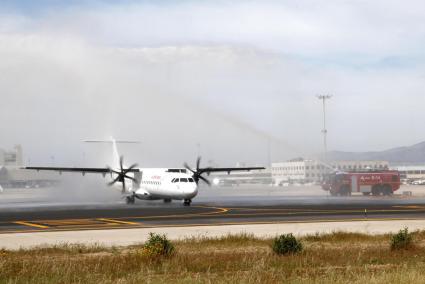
355	34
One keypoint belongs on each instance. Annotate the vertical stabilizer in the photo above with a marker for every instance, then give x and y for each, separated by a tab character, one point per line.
115	154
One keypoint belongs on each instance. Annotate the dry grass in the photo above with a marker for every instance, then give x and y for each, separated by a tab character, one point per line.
332	258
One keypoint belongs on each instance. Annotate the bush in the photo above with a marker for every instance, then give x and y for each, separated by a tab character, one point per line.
157	246
286	244
402	240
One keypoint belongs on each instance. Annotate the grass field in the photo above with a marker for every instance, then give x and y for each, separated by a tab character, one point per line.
333	258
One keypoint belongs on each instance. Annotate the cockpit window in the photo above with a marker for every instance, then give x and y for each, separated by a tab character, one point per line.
183	180
191	180
176	170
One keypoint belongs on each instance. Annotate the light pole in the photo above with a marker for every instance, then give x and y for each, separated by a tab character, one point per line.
324	130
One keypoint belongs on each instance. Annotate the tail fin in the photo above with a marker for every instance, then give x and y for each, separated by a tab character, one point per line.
115	153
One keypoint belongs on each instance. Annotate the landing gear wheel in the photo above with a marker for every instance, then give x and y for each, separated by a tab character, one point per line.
167	200
366	193
187	202
130	199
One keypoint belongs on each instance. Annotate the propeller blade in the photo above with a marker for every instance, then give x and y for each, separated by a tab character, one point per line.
130	168
133	166
112	170
121	162
188	168
122	174
205	180
114	181
198	162
129	177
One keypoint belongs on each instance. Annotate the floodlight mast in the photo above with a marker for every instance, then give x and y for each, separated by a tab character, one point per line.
324	130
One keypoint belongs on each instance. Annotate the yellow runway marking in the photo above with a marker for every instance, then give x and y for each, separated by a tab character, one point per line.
410	206
212	224
30	224
117	221
220	210
68	222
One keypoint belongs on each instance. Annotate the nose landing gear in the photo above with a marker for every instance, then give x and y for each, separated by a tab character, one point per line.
187	202
130	199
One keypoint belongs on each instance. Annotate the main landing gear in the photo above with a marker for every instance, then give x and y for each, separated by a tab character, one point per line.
167	200
187	202
130	199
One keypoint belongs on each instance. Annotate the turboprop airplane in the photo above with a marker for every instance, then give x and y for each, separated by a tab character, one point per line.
151	183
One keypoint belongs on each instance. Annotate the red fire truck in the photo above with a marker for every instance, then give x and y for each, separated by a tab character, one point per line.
383	182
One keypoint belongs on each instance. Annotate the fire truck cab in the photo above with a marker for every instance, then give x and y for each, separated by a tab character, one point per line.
383	182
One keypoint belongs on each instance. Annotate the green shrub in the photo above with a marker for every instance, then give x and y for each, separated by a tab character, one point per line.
286	244
402	240
157	246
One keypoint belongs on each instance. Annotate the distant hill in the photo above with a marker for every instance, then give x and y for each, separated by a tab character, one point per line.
409	154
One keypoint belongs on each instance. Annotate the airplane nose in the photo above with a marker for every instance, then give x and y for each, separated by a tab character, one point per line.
191	190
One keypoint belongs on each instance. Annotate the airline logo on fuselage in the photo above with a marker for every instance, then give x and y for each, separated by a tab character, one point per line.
370	178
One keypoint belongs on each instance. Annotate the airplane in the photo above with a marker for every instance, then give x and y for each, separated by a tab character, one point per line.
150	183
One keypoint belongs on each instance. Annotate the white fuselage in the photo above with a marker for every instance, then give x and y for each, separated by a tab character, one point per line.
163	183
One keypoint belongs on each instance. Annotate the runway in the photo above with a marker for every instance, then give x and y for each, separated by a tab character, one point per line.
80	218
243	207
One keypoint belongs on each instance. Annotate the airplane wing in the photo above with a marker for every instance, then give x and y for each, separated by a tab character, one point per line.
81	170
228	170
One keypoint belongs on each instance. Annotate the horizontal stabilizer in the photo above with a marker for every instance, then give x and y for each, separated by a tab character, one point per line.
110	141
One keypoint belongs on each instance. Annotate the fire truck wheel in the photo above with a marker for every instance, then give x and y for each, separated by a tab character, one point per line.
345	191
387	190
376	190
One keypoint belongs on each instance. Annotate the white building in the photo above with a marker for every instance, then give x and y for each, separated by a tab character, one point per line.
313	171
413	172
11	174
11	158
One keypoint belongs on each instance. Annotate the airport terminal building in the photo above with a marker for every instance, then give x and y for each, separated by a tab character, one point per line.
411	172
306	171
11	174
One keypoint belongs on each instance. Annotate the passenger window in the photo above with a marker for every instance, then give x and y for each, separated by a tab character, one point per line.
394	178
191	180
183	180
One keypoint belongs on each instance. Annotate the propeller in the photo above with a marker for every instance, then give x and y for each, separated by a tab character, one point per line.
197	174
122	174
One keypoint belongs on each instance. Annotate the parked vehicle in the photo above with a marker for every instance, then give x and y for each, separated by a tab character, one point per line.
375	182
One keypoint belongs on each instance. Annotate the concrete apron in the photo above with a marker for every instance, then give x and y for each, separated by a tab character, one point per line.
123	237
